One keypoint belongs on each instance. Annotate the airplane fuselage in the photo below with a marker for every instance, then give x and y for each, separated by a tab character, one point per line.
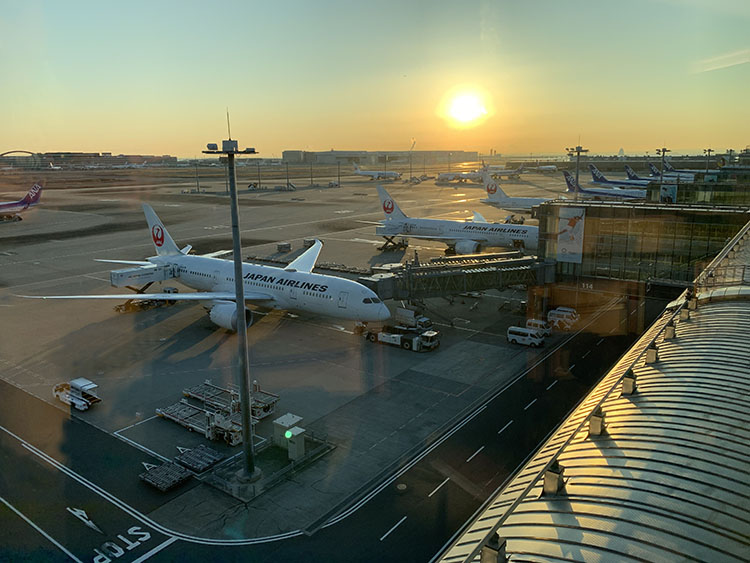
289	290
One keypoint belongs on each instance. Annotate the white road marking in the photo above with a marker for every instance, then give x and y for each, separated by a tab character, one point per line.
551	385
529	405
504	427
438	487
612	330
38	529
634	311
571	367
136	424
472	456
394	527
587	353
600	341
155	550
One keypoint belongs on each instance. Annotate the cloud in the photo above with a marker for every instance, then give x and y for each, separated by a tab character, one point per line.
722	61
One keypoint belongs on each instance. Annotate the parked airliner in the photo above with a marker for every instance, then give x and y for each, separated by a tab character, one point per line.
465	237
682	176
293	288
10	210
601	193
598	179
497	197
377	174
655	177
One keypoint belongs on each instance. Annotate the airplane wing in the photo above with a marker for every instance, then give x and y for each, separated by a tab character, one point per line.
478	238
132	262
305	262
197	296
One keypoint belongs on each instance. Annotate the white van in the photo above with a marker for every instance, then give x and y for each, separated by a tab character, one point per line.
562	319
540	326
570	310
525	336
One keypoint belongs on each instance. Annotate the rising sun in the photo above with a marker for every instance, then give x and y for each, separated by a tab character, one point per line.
466	108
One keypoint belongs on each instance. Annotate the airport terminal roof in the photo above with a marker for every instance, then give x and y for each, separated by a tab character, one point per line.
667	476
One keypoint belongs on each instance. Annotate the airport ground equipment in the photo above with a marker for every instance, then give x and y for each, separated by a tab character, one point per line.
428	340
199	459
227	399
80	393
413	319
391	244
166	476
212	425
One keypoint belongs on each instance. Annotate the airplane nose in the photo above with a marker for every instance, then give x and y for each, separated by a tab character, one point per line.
383	313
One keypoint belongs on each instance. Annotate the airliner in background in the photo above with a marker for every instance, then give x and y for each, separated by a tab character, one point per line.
10	210
377	174
600	179
294	288
514	174
601	193
465	237
676	176
475	176
497	197
656	177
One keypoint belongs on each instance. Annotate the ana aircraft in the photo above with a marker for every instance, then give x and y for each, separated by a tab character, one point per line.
497	197
681	175
655	177
377	175
600	180
601	193
465	237
10	210
293	288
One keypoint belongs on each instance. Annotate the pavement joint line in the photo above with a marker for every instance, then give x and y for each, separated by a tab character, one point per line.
551	385
529	405
504	427
472	456
40	530
394	527
438	487
135	424
156	550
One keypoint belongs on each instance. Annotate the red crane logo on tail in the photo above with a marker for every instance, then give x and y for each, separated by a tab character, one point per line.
388	206
157	233
491	188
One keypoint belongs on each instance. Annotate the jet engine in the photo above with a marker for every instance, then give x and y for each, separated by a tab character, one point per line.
467	247
224	314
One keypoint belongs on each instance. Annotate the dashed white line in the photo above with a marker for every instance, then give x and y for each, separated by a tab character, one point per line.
157	549
136	424
529	405
571	367
38	529
634	311
504	427
600	341
551	385
438	487
394	527
612	330
472	456
587	353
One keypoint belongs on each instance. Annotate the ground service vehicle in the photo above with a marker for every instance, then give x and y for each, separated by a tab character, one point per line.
79	392
413	319
540	326
525	336
562	319
428	340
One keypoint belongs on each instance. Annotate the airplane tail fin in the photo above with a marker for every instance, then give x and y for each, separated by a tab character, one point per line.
34	195
654	169
356	167
573	186
163	243
667	166
596	174
631	173
493	189
390	207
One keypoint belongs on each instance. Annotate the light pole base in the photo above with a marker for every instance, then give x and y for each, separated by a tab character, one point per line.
244	477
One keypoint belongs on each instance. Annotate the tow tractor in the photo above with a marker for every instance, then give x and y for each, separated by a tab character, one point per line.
79	392
408	340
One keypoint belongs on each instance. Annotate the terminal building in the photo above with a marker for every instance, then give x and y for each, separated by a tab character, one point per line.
378	157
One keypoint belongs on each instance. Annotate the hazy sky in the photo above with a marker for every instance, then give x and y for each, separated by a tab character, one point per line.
155	77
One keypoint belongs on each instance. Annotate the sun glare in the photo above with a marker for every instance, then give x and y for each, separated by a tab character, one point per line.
466	108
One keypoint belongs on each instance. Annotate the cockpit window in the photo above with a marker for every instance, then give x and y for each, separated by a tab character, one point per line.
367	300
375	300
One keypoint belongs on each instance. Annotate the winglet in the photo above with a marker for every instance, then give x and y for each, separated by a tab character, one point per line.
479	218
305	262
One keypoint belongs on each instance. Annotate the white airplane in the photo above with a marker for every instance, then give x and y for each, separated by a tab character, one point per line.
656	177
293	288
377	175
497	197
601	193
465	237
53	167
10	210
514	174
460	176
600	180
545	168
